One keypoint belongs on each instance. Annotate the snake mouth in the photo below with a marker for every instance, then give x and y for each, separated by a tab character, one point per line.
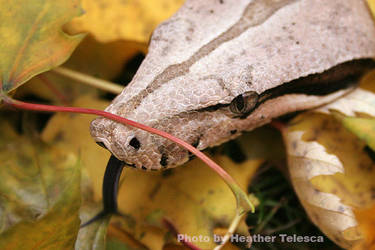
163	161
101	144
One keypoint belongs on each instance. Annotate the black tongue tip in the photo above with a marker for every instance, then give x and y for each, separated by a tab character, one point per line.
99	216
110	187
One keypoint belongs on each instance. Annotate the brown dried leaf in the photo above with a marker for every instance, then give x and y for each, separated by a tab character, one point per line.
331	173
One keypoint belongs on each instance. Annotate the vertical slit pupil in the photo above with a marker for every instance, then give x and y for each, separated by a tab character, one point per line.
240	103
135	143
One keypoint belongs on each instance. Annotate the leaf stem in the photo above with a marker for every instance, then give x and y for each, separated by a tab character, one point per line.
243	202
90	80
231	230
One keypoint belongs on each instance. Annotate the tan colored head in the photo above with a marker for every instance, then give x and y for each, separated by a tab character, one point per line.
216	69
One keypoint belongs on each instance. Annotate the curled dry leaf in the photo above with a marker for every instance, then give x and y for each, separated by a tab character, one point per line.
115	20
358	110
331	173
39	193
32	39
360	100
332	170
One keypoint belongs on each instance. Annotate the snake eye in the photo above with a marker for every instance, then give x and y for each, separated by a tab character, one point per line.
244	103
135	143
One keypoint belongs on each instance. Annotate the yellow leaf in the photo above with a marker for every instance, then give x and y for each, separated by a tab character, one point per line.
357	109
364	128
331	173
123	20
263	143
71	132
371	4
40	189
368	80
114	234
366	221
192	197
32	39
103	60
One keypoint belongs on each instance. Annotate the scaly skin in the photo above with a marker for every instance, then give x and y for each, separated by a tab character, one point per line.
208	53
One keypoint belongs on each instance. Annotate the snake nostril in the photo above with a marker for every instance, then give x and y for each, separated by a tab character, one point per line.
135	143
164	160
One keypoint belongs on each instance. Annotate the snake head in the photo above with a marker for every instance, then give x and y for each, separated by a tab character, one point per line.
216	69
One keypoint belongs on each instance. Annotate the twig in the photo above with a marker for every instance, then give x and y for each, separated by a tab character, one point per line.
90	80
231	230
